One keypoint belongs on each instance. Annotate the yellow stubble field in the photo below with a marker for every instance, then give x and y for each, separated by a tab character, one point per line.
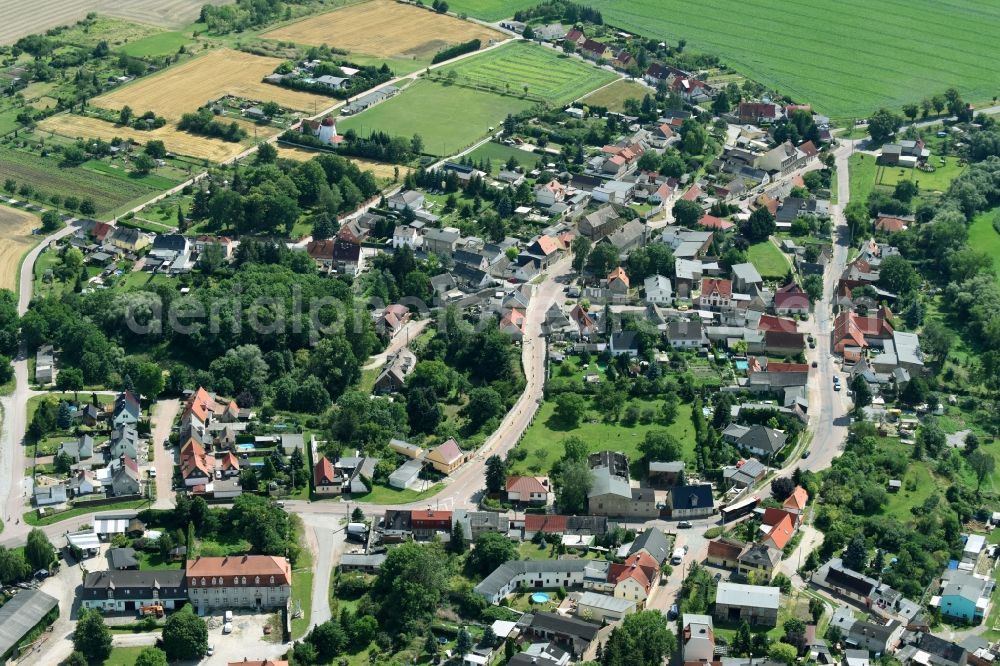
378	169
177	142
385	29
184	88
15	241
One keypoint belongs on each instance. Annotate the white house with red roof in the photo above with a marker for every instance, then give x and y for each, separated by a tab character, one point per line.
716	294
528	489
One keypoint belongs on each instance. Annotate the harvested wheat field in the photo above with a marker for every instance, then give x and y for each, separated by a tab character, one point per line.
15	232
180	143
386	29
184	88
378	169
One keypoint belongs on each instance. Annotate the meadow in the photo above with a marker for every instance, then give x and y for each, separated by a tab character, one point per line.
542	441
543	72
448	117
163	43
847	59
15	231
936	181
187	87
985	238
381	170
498	154
613	96
109	191
385	28
769	261
490	10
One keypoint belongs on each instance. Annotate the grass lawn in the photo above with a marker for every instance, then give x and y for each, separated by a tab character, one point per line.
123	656
154	561
489	10
302	583
769	261
389	495
862	176
32	518
164	43
864	56
613	96
449	118
545	73
937	181
498	154
543	439
918	477
985	238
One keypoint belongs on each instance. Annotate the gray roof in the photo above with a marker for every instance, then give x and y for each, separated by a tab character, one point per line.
746	272
604	602
676	466
684	330
506	572
606	483
20	615
764	439
568	626
907	348
359	560
756	596
761	555
96	583
654	542
963	584
292	440
122	558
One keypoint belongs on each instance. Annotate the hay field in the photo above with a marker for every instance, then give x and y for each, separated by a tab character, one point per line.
25	17
15	232
180	143
184	88
384	28
378	169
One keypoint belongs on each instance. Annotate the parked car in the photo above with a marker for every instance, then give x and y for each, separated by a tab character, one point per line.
684	524
210	651
672	613
227	616
227	628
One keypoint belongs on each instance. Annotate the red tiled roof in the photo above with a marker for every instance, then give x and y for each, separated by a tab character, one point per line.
782	532
798	499
756	110
809	148
890	224
430	516
772	323
548	524
525	485
712	222
693	193
231	570
773	516
618	274
513	318
323	472
724	548
723	287
547	244
229	461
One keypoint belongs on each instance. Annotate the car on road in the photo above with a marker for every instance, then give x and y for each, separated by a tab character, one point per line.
152	473
815	364
836	387
672	613
718	576
805	454
684	524
210	651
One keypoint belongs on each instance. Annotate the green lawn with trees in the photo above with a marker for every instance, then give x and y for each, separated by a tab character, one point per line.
984	236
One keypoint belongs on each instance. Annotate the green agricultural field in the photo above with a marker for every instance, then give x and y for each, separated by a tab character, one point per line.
556	78
110	192
985	238
847	58
613	96
543	439
769	261
164	43
448	117
498	154
490	10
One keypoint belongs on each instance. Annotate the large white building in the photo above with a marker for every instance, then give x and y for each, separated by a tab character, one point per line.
239	581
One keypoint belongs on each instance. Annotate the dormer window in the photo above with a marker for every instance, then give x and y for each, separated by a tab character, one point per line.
256	580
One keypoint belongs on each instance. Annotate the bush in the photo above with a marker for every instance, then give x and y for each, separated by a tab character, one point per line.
455	51
713	532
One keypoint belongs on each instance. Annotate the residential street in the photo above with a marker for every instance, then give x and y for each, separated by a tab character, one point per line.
163	414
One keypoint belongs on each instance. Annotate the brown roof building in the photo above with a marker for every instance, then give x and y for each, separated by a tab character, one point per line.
239	581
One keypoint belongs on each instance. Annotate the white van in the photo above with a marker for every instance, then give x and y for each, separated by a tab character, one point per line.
227	616
678	556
